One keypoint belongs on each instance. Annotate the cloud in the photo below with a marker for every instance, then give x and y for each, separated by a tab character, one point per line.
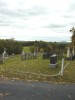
36	19
68	16
54	26
2	4
35	11
10	13
71	6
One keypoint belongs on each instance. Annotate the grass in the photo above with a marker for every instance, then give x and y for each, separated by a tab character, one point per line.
35	69
16	68
69	73
26	49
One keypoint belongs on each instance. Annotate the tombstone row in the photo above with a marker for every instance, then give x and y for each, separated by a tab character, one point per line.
70	54
54	57
5	55
26	56
46	55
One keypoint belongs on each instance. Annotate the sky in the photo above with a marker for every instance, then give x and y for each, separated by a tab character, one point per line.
29	20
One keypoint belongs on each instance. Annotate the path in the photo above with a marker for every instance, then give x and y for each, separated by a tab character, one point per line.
23	90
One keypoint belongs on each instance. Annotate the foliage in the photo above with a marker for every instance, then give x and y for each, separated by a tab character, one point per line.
49	46
16	47
73	36
32	48
27	43
1	48
11	46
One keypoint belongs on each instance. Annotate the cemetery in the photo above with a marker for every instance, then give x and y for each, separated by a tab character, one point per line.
37	60
33	66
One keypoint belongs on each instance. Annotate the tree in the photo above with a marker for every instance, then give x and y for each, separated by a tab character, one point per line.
73	35
11	46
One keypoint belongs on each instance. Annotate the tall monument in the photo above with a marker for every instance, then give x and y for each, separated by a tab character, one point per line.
68	51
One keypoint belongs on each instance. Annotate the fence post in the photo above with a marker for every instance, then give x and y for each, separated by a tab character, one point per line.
62	67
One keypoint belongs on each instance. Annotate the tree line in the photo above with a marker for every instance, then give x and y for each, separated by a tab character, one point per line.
11	46
16	47
43	46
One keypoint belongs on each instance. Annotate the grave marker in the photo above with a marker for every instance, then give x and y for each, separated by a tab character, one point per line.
23	56
68	52
53	61
5	54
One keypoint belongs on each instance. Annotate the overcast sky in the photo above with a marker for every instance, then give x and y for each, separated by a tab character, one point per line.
47	20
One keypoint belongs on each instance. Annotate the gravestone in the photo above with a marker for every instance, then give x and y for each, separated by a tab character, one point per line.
31	56
13	54
34	55
68	53
1	58
23	56
26	56
46	55
5	54
53	61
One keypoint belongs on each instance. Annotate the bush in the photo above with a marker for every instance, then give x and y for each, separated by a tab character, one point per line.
11	46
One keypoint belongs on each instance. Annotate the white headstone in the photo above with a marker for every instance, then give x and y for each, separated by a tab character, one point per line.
68	51
23	55
4	53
